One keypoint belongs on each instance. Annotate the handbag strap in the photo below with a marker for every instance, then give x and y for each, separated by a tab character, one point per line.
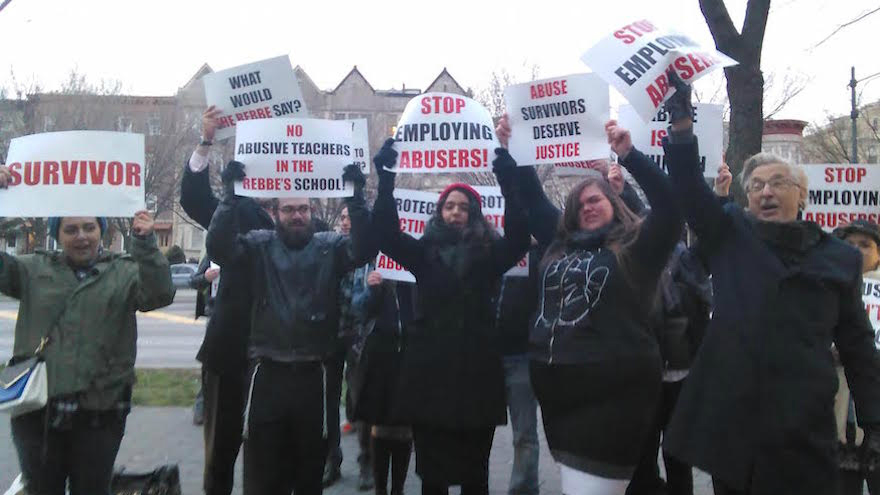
47	339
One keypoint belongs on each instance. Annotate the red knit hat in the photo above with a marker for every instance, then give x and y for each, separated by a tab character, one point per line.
462	187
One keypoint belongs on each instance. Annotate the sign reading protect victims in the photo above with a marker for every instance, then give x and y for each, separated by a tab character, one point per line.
444	132
259	90
294	158
634	59
75	173
558	120
493	209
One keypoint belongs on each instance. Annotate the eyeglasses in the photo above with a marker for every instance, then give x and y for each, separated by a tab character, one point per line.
776	184
290	209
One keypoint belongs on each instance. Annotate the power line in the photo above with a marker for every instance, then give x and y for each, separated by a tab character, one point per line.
4	4
847	24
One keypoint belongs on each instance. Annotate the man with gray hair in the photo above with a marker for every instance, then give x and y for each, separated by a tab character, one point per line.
757	410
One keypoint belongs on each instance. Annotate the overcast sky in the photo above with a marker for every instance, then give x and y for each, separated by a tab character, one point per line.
153	47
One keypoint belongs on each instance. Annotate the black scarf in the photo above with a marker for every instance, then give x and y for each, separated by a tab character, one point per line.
790	241
452	248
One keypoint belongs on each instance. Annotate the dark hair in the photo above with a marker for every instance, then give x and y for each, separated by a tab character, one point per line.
477	229
621	235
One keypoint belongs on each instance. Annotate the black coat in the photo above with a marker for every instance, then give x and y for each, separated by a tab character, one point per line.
756	409
452	374
204	301
224	349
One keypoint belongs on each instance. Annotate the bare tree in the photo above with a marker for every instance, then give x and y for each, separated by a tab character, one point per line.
745	82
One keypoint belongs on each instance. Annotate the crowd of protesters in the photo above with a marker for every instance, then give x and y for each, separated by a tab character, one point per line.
730	339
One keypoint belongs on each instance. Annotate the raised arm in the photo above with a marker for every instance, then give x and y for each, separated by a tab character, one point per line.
196	197
662	227
223	242
542	215
154	287
361	245
386	224
507	251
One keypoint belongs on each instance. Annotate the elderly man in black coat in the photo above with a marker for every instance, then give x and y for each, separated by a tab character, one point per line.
757	410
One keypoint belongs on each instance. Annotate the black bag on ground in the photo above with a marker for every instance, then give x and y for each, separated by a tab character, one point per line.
164	480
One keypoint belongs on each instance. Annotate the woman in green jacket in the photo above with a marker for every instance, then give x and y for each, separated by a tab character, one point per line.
84	299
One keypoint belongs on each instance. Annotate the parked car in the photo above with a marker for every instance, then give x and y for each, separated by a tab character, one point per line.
181	273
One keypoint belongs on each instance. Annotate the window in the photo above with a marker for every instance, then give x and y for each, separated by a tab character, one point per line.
164	239
339	116
48	123
872	154
123	124
154	126
197	239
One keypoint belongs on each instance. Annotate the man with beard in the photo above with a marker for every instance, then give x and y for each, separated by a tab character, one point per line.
294	276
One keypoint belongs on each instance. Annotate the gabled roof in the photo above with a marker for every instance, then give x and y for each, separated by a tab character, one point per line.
303	76
204	69
354	72
436	79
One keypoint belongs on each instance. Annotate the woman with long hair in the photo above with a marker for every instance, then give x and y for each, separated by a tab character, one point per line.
595	365
452	379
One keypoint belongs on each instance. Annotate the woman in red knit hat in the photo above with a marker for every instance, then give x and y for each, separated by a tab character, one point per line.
452	379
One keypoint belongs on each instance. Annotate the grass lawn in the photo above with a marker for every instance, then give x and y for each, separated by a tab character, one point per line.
166	387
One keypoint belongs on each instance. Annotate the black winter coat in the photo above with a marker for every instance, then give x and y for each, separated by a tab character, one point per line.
452	374
756	410
224	348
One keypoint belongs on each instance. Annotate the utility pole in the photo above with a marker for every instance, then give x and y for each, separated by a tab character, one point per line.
854	115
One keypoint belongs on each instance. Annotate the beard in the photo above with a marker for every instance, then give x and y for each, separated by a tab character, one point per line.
295	236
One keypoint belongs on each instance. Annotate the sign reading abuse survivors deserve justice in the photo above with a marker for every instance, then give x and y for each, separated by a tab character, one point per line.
839	194
259	90
75	173
414	209
294	158
647	137
558	120
635	57
444	132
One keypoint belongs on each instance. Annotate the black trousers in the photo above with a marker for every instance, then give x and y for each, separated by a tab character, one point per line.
393	454
337	371
224	407
679	476
285	445
84	454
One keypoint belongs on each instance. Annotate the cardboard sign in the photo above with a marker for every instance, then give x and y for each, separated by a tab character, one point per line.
635	57
414	208
360	144
558	120
839	194
493	209
647	137
75	173
444	132
871	298
294	158
259	90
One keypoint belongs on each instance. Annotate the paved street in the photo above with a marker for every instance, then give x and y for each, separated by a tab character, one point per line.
156	436
167	338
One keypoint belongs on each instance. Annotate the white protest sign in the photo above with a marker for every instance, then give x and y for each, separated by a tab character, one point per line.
294	158
259	90
871	298
414	209
647	137
635	57
493	209
360	144
558	119
839	194
444	132
215	285
75	173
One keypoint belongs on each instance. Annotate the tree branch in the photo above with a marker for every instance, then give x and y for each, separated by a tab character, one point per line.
720	25
846	24
754	26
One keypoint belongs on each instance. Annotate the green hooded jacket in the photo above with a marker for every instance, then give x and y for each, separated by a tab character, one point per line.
93	334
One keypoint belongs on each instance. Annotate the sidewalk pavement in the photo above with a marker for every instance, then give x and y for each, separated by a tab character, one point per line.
163	435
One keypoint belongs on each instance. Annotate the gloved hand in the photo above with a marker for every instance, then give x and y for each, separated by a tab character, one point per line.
869	453
679	105
503	166
385	159
234	171
352	173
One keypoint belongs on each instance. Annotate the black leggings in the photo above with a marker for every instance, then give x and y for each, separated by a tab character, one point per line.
468	489
391	453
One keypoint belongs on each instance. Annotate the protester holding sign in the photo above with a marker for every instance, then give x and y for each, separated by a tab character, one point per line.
83	300
757	409
452	376
593	357
864	236
223	352
294	274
